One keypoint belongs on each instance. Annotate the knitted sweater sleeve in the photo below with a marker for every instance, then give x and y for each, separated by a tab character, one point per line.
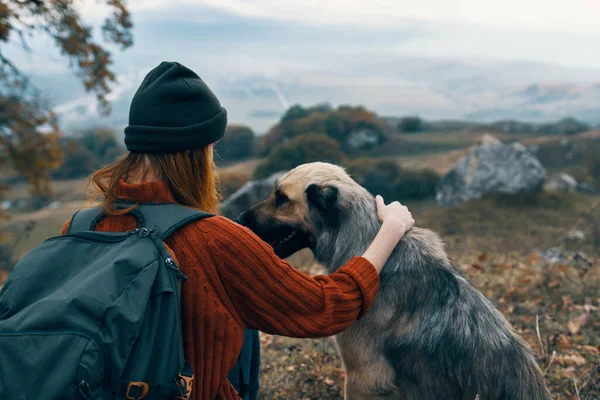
272	296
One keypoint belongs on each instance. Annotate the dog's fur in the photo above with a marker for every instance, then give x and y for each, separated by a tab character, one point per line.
430	335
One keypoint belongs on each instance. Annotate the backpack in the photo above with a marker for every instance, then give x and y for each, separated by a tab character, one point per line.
96	315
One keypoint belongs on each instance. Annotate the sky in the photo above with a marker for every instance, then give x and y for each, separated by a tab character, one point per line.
287	51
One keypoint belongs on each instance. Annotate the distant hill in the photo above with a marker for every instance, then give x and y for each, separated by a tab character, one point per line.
432	88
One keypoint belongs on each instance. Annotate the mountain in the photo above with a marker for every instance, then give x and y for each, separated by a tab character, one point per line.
431	88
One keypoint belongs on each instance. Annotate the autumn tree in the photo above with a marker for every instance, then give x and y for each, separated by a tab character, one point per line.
29	131
339	124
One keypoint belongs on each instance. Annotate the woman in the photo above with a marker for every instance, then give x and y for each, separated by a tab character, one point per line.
235	279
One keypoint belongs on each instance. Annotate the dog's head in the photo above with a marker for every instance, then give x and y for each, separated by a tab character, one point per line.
304	202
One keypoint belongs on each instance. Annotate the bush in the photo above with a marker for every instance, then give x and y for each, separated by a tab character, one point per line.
103	144
416	184
231	181
410	124
593	166
237	144
83	154
567	126
375	175
299	150
389	180
78	161
340	124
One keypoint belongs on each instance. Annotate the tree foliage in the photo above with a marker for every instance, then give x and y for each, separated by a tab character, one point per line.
237	144
339	124
391	181
410	125
86	152
103	145
299	150
29	131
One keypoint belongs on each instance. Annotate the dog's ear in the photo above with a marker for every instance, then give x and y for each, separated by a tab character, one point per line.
324	198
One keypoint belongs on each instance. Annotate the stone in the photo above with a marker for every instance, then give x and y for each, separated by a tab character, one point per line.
562	182
580	258
554	255
574	235
491	167
363	138
248	195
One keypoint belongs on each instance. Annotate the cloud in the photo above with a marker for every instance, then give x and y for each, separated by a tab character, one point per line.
558	15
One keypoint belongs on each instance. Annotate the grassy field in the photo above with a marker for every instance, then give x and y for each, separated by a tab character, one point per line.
494	242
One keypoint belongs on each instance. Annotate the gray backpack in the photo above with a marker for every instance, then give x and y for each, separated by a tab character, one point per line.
95	315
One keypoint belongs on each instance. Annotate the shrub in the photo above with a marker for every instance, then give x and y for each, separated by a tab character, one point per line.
375	175
410	124
299	150
103	144
339	124
237	144
415	184
566	126
389	180
592	163
78	161
231	181
86	152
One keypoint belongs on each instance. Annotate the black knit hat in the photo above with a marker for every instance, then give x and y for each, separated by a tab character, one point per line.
173	110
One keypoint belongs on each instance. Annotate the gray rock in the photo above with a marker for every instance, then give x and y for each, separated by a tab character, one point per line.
562	182
251	193
554	255
491	167
574	236
362	138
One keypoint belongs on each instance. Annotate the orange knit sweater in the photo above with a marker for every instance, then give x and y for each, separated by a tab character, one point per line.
236	281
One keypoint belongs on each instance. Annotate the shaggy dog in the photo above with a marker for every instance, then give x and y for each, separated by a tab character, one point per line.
430	335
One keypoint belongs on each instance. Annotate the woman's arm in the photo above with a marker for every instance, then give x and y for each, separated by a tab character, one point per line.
272	296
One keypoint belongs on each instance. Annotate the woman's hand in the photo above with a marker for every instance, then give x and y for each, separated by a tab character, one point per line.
395	213
396	220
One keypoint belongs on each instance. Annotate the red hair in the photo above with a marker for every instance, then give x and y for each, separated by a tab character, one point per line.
190	175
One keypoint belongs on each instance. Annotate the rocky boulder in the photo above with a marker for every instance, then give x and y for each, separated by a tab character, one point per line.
574	235
562	182
491	167
363	138
248	195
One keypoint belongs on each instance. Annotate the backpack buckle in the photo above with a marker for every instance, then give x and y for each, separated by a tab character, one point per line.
140	390
185	386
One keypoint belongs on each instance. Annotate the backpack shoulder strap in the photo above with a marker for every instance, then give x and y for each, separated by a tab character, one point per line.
166	217
85	219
